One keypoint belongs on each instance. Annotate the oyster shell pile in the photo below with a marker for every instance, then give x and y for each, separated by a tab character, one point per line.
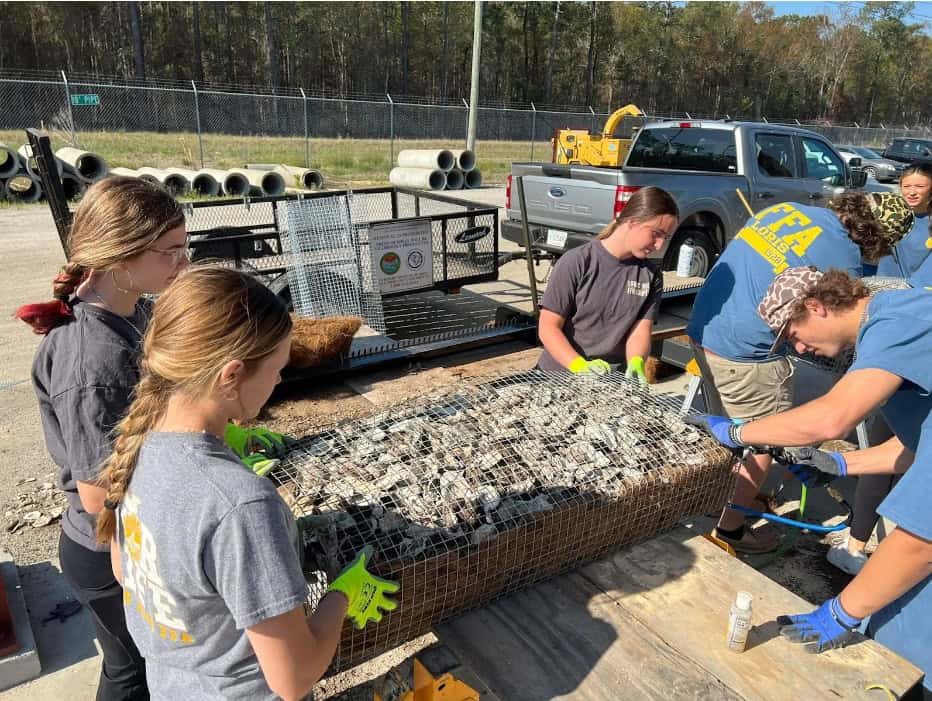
456	469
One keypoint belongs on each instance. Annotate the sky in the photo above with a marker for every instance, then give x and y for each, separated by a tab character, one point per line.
921	14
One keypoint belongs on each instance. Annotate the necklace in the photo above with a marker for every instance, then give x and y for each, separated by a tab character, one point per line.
106	306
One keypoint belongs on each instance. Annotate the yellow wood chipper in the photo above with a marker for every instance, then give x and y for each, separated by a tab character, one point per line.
580	147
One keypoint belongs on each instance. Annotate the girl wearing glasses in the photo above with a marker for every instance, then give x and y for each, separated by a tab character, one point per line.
603	296
127	239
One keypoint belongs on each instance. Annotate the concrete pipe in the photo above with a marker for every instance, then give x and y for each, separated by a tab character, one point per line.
303	177
9	162
29	162
423	178
73	186
230	183
203	184
125	172
22	188
425	158
177	185
90	167
465	160
263	182
455	179
473	179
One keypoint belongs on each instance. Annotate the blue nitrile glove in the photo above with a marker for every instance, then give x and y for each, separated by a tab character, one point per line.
635	369
721	428
581	366
826	628
814	467
365	592
245	441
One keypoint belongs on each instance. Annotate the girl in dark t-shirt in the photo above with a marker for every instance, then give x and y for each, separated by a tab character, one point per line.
603	297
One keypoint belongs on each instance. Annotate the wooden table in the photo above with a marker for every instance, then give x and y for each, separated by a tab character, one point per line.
649	623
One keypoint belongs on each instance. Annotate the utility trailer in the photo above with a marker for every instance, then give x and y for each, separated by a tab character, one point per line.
440	315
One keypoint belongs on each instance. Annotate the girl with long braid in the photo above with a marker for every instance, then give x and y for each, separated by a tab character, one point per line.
204	547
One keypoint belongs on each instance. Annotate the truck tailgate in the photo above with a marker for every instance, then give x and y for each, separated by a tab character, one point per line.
568	203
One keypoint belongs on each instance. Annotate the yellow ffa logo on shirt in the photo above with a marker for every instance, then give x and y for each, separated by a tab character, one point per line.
637	288
770	245
143	589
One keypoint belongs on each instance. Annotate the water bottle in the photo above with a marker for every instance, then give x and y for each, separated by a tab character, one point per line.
739	622
685	260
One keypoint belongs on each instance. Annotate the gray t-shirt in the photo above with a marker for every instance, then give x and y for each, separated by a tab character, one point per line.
207	549
84	374
601	298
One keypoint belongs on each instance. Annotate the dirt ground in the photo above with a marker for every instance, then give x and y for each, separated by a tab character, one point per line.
30	256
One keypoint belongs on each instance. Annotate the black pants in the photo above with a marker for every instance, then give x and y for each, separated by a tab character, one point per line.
123	673
870	491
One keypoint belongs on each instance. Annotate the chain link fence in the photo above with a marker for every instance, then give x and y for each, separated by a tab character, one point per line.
212	123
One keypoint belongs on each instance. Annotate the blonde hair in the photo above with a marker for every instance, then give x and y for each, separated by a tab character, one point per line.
206	318
647	203
118	218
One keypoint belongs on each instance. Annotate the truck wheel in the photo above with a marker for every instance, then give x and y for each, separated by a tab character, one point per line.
703	257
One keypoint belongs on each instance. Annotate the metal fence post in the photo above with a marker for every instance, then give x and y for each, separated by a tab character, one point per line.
70	108
533	128
466	105
197	119
307	145
391	131
591	120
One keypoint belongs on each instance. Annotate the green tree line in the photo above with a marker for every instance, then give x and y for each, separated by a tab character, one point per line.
865	63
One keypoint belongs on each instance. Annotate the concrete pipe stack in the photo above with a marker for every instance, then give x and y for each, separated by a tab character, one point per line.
19	175
436	169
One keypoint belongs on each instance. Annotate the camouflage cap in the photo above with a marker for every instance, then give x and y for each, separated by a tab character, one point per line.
779	301
893	213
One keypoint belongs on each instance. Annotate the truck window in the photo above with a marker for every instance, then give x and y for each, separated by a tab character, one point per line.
775	155
821	163
685	148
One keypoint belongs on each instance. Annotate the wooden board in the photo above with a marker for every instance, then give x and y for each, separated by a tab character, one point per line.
649	623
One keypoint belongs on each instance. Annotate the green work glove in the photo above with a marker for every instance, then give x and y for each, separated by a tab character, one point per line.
259	463
245	441
366	593
635	370
581	366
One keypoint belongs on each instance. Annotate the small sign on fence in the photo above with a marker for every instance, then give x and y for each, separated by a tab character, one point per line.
402	255
89	100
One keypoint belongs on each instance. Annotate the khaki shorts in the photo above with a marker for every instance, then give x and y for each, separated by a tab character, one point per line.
744	390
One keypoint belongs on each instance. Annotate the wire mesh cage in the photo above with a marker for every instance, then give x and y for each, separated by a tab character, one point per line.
469	493
329	267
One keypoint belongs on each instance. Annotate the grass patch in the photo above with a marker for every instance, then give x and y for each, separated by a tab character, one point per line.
344	162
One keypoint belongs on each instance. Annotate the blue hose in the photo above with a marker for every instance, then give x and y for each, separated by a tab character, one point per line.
815	528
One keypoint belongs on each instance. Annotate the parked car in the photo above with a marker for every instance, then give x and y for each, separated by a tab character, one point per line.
702	164
876	166
907	150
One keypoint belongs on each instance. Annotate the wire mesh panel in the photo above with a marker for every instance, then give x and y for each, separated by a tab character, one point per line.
328	266
472	492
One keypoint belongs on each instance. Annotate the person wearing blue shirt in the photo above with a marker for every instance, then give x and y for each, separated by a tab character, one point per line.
743	378
891	332
912	251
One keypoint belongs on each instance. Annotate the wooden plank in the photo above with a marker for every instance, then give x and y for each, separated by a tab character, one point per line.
649	623
564	638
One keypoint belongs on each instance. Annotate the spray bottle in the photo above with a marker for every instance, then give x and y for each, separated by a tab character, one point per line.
685	259
739	622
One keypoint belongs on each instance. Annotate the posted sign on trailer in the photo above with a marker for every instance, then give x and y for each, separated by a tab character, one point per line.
402	255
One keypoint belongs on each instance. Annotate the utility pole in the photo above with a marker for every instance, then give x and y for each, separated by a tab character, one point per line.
474	80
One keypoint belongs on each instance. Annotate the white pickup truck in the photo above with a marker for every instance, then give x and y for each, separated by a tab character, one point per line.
702	164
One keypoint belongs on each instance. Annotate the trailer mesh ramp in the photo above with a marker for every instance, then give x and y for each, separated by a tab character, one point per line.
472	492
328	263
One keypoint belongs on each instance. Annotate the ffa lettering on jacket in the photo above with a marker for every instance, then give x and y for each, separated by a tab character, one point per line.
770	245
